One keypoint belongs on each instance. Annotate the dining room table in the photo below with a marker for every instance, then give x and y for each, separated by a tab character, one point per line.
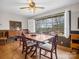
38	38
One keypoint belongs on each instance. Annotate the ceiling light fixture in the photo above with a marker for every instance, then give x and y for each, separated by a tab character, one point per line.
32	6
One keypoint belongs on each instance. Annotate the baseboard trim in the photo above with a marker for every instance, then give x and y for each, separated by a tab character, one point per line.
64	48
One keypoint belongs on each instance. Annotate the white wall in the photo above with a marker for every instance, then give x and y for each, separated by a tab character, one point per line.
9	12
74	21
74	16
6	17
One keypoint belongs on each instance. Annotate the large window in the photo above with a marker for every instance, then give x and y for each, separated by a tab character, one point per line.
50	24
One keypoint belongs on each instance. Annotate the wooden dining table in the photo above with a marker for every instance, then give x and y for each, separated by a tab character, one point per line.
38	38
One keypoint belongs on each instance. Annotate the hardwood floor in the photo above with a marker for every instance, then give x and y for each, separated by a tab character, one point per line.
13	51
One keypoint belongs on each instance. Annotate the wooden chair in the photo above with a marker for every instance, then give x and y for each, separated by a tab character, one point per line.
27	45
4	37
49	47
23	31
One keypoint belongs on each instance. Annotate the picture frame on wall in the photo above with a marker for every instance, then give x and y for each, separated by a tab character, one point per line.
14	25
78	22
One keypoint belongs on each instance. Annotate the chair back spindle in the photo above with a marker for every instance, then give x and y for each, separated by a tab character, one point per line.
54	42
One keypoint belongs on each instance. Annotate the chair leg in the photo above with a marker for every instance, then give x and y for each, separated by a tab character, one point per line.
30	50
20	43
22	49
4	42
26	54
40	54
56	54
51	55
26	49
34	51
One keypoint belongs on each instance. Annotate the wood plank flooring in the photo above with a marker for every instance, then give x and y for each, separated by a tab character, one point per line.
13	51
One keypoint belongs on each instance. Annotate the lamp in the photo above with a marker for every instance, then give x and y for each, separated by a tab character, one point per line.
17	28
18	31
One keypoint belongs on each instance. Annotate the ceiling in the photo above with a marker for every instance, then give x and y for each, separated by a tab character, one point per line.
13	6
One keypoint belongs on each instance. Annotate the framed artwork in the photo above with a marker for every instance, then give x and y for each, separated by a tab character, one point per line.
15	24
78	22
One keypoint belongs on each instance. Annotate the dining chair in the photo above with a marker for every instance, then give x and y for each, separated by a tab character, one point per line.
49	47
23	31
27	46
